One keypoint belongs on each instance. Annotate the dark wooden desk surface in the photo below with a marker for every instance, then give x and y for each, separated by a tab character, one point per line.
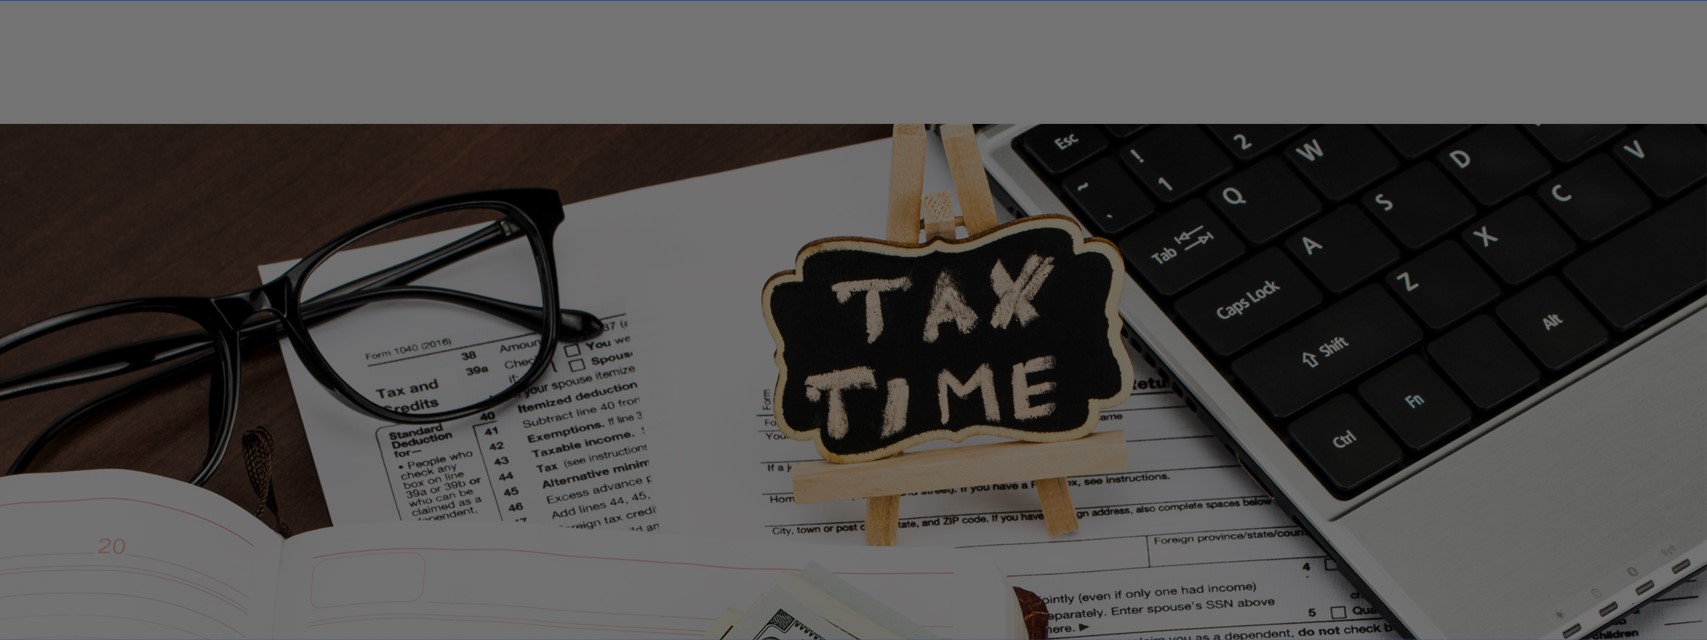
90	214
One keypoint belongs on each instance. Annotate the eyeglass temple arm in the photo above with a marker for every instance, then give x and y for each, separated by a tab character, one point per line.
216	449
487	237
131	357
269	329
573	325
579	324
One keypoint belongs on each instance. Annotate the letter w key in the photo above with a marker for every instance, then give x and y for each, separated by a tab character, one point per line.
1341	159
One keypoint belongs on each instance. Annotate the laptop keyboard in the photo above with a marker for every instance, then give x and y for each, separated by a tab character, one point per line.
1379	290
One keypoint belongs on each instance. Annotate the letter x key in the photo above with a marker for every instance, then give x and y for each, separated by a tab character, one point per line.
1487	238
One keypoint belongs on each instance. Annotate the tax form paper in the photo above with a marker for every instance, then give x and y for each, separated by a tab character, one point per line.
664	424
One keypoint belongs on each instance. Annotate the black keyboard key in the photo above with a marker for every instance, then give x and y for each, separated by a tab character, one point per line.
1123	130
1645	268
1494	162
1594	197
1483	361
1342	249
1264	200
1173	160
1176	250
1419	205
1248	141
1327	350
1107	196
1345	443
1340	159
1248	301
1555	326
1415	403
1665	157
1518	241
1059	147
1568	142
1414	140
1442	285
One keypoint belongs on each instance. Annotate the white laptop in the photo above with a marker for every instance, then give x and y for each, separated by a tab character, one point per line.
1470	360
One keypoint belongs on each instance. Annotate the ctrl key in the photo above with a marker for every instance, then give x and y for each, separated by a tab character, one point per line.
1345	443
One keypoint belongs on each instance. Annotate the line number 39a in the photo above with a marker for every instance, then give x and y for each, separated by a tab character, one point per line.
113	546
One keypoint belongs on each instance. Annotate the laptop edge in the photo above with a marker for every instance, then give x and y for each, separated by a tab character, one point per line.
1355	542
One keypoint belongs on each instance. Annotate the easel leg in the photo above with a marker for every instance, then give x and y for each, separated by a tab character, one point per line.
882	517
1057	506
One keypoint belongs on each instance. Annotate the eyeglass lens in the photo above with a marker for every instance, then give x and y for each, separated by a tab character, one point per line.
417	335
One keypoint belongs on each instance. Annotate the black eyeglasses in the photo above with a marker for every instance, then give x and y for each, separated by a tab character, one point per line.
331	320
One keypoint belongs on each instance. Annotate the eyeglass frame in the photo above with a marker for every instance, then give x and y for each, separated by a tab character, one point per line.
532	213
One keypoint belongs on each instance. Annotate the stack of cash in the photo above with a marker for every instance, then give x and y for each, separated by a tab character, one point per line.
814	605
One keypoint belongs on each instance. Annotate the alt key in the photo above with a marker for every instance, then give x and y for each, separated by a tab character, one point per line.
1552	323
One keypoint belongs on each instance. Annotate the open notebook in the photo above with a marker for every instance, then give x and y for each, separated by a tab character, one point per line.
125	554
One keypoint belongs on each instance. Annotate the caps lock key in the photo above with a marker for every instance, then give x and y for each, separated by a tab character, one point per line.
1248	301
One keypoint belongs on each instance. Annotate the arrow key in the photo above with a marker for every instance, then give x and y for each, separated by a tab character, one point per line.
1107	197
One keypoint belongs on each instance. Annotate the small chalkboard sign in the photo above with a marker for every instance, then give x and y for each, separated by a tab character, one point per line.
1013	332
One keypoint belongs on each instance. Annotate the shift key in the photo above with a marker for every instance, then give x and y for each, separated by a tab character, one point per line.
1322	353
1248	302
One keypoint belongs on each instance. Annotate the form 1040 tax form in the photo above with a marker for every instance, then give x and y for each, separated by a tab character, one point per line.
663	424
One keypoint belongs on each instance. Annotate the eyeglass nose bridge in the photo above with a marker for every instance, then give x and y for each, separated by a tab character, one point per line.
236	309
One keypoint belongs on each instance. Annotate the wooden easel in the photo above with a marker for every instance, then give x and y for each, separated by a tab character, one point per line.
882	482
